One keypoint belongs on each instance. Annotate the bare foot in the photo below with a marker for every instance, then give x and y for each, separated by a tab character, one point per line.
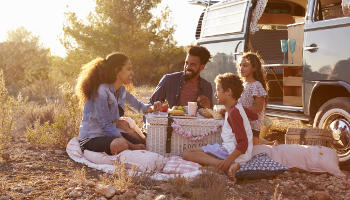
232	171
276	143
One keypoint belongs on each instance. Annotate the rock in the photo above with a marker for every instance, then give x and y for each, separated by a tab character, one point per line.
330	187
304	197
161	197
59	152
75	193
162	187
6	156
129	194
115	197
106	190
27	189
101	198
90	183
118	192
303	187
321	195
310	193
5	198
40	198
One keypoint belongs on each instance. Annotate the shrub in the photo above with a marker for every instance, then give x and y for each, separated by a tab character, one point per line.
8	107
61	126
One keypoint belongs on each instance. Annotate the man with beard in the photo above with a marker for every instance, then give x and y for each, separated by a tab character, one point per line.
179	88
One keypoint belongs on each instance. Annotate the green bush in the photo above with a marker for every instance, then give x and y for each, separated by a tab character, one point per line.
61	126
8	108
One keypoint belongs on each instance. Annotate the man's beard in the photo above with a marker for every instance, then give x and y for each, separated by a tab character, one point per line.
190	76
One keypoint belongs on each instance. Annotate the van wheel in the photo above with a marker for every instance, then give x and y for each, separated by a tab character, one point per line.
334	115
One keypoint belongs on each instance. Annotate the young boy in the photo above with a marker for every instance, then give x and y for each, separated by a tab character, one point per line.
236	132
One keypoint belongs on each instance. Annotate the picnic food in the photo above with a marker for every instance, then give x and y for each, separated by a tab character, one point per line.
209	113
177	110
205	112
164	108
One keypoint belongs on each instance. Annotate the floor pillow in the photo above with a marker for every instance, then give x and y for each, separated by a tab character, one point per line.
74	147
260	166
100	157
306	157
177	165
142	160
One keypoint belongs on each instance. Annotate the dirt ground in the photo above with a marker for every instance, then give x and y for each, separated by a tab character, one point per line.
28	172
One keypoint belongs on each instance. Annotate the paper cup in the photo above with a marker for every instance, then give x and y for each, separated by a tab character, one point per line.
192	108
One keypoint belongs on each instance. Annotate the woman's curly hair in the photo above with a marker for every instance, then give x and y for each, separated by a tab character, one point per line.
97	72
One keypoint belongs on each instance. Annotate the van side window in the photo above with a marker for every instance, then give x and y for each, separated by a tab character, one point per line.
328	9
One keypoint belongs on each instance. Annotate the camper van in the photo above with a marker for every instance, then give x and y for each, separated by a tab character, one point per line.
311	81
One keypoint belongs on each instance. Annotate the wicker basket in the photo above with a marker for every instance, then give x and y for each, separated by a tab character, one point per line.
305	136
157	135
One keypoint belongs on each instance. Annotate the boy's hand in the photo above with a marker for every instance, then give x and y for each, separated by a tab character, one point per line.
224	165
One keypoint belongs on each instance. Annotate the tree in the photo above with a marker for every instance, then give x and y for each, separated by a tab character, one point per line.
23	59
127	26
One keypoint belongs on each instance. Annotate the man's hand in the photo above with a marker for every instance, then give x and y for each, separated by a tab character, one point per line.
224	165
156	107
203	101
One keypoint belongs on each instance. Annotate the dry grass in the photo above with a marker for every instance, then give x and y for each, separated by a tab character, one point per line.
277	195
79	174
120	179
209	185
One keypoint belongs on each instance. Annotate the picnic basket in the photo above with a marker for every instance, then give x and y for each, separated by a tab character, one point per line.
163	139
309	136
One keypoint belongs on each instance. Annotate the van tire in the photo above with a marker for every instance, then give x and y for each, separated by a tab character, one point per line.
336	108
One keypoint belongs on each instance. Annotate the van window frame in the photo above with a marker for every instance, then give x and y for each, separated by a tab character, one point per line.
218	6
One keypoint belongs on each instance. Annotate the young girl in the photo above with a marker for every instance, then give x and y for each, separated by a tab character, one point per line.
254	94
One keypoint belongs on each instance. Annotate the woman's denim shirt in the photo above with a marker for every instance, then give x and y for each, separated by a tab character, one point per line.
101	112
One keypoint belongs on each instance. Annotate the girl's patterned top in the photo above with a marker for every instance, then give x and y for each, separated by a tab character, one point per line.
251	90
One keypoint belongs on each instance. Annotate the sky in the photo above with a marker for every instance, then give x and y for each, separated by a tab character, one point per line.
44	18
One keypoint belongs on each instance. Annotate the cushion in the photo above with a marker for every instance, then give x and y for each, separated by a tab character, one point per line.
176	165
73	148
260	166
99	157
306	157
142	160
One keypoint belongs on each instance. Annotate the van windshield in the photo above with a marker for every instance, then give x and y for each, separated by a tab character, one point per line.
224	18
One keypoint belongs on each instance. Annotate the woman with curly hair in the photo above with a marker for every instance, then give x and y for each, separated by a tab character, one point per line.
102	94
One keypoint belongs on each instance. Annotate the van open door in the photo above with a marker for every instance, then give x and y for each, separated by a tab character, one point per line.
223	31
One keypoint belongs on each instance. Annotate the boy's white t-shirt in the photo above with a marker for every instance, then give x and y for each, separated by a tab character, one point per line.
229	139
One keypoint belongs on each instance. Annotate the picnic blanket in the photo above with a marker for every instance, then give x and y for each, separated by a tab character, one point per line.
173	166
